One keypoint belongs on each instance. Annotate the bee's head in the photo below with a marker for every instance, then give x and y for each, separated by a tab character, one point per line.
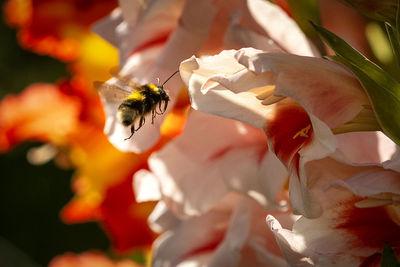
127	115
164	96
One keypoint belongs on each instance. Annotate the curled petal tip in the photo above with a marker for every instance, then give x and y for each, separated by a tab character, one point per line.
273	223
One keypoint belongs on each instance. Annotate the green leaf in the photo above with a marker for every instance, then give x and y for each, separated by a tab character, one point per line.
382	89
10	255
389	258
394	41
382	10
398	18
393	32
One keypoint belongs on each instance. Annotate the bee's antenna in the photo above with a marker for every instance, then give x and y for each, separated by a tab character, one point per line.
170	77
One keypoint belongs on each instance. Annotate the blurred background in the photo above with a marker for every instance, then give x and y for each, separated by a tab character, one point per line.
31	197
71	195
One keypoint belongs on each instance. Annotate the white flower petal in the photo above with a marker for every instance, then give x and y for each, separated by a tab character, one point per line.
106	27
281	28
222	237
146	186
371	181
223	153
162	219
291	245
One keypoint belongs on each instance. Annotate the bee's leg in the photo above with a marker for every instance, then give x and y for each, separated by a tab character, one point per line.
141	122
142	119
153	115
162	110
159	108
133	129
132	132
165	106
159	112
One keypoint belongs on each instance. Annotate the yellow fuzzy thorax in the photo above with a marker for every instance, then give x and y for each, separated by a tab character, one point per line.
153	87
136	95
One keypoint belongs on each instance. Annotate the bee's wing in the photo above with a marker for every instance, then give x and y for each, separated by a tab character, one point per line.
124	80
111	93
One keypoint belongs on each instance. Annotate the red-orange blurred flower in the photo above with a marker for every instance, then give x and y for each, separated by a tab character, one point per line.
54	27
24	116
89	259
73	124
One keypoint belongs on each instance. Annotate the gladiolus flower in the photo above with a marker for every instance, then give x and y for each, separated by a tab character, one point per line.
361	214
299	102
296	100
226	154
229	234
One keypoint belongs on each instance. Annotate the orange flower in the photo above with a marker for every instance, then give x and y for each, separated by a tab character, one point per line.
89	259
54	27
25	117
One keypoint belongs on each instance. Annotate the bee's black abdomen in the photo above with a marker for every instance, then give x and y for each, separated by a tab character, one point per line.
129	111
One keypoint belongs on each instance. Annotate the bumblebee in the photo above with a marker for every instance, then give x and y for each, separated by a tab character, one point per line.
136	101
